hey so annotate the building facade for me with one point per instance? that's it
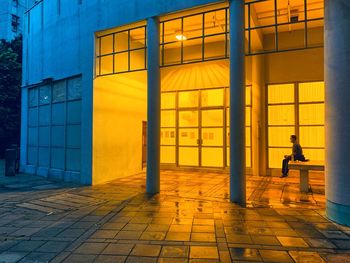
(11, 17)
(110, 87)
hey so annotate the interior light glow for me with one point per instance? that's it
(180, 37)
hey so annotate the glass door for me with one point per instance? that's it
(212, 138)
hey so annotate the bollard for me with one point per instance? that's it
(16, 147)
(10, 162)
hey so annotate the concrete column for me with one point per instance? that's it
(337, 79)
(153, 107)
(237, 103)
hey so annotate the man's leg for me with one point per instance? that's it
(285, 166)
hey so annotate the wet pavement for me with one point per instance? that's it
(191, 220)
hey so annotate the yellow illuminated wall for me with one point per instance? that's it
(119, 109)
(295, 108)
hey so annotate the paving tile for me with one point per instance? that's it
(53, 246)
(90, 248)
(306, 257)
(133, 259)
(320, 243)
(75, 258)
(176, 236)
(153, 235)
(146, 250)
(128, 235)
(203, 229)
(248, 254)
(105, 234)
(204, 252)
(172, 260)
(157, 228)
(135, 227)
(275, 256)
(118, 249)
(175, 251)
(203, 237)
(38, 257)
(180, 228)
(266, 240)
(27, 245)
(239, 239)
(292, 242)
(12, 257)
(110, 259)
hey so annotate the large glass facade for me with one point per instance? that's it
(195, 127)
(54, 125)
(295, 108)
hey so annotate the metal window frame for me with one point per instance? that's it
(128, 50)
(296, 125)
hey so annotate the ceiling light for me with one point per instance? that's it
(180, 37)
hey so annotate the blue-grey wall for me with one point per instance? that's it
(59, 43)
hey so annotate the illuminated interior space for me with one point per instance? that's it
(282, 97)
(120, 104)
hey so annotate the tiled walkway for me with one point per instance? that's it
(191, 220)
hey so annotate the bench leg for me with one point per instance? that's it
(304, 181)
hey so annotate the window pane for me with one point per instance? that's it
(137, 59)
(192, 50)
(248, 157)
(167, 136)
(282, 93)
(59, 91)
(212, 157)
(311, 91)
(74, 88)
(44, 95)
(188, 136)
(212, 137)
(167, 154)
(188, 99)
(121, 41)
(137, 38)
(188, 156)
(171, 30)
(193, 26)
(121, 62)
(311, 114)
(168, 100)
(106, 45)
(172, 53)
(281, 115)
(33, 97)
(106, 65)
(314, 154)
(214, 22)
(212, 118)
(247, 136)
(212, 97)
(312, 136)
(248, 96)
(168, 118)
(276, 156)
(248, 116)
(188, 119)
(279, 136)
(214, 47)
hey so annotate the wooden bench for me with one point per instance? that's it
(304, 168)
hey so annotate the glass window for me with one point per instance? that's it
(45, 94)
(188, 99)
(212, 97)
(282, 93)
(74, 88)
(59, 91)
(33, 97)
(168, 100)
(188, 118)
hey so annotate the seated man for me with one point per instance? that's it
(297, 154)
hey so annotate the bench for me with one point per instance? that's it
(304, 168)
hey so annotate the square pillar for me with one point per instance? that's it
(153, 107)
(237, 103)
